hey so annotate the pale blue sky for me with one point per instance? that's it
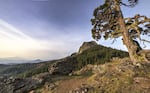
(50, 29)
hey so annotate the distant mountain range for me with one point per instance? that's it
(17, 60)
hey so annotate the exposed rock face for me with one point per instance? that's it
(42, 77)
(86, 45)
(63, 66)
(17, 85)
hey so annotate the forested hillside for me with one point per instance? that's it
(96, 54)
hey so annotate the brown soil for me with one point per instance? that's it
(64, 86)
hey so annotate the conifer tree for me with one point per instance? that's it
(108, 22)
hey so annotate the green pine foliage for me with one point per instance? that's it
(24, 70)
(98, 55)
(33, 71)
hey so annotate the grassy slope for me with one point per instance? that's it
(118, 76)
(95, 55)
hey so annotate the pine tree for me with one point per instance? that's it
(108, 22)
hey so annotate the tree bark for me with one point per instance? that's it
(127, 40)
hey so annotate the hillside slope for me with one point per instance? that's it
(117, 76)
(46, 76)
(89, 53)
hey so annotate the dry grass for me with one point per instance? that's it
(64, 86)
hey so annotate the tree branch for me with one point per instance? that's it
(144, 40)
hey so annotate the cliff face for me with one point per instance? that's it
(86, 45)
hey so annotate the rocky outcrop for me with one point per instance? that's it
(84, 88)
(17, 85)
(20, 85)
(86, 45)
(63, 66)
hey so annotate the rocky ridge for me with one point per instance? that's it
(86, 45)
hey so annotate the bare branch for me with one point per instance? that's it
(144, 40)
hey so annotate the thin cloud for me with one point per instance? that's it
(16, 43)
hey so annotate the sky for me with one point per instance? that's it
(51, 29)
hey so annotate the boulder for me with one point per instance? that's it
(84, 88)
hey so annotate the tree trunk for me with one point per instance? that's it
(127, 40)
